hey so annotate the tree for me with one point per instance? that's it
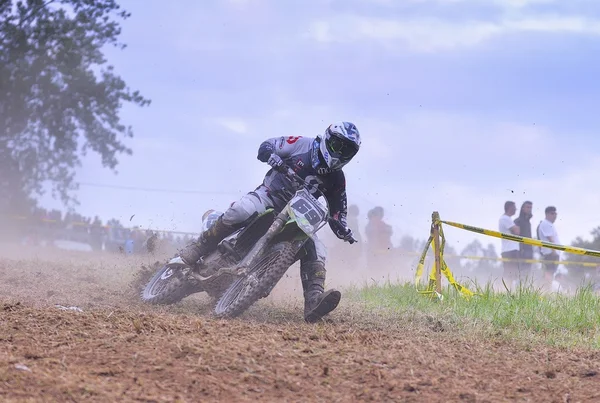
(452, 259)
(12, 196)
(594, 244)
(58, 97)
(484, 262)
(409, 244)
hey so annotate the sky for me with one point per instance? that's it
(461, 104)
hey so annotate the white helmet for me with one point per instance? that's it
(339, 144)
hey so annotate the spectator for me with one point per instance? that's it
(379, 233)
(523, 221)
(510, 249)
(560, 281)
(151, 241)
(547, 232)
(379, 238)
(95, 236)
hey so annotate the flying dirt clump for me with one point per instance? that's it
(143, 276)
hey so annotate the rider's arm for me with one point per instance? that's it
(338, 207)
(284, 147)
(336, 196)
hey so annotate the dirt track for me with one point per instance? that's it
(119, 350)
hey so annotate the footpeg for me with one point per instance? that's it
(226, 248)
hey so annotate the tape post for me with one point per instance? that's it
(444, 269)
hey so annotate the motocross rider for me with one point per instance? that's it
(319, 161)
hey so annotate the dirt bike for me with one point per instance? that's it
(248, 264)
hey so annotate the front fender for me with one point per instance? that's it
(289, 233)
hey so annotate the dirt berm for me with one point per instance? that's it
(117, 350)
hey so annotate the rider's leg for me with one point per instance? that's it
(234, 217)
(317, 301)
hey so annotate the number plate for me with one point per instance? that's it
(308, 212)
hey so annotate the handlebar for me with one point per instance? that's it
(289, 172)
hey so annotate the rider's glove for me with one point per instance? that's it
(341, 231)
(275, 161)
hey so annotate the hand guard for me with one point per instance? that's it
(275, 161)
(341, 231)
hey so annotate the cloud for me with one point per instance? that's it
(436, 146)
(500, 3)
(225, 76)
(572, 192)
(239, 3)
(503, 3)
(466, 167)
(233, 124)
(435, 34)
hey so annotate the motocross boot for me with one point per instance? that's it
(206, 243)
(317, 302)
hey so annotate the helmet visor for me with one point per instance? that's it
(341, 148)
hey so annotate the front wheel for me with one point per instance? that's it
(168, 286)
(260, 280)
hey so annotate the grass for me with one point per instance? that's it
(525, 314)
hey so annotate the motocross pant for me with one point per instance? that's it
(258, 201)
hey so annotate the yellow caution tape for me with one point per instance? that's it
(446, 270)
(527, 241)
(433, 280)
(430, 290)
(563, 262)
(419, 271)
(501, 259)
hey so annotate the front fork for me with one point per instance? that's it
(254, 253)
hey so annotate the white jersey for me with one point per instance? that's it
(302, 155)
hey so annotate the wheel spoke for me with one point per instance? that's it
(244, 285)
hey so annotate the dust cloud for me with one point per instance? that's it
(46, 275)
(50, 276)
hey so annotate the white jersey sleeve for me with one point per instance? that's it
(284, 146)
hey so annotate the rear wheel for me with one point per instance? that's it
(259, 282)
(168, 286)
